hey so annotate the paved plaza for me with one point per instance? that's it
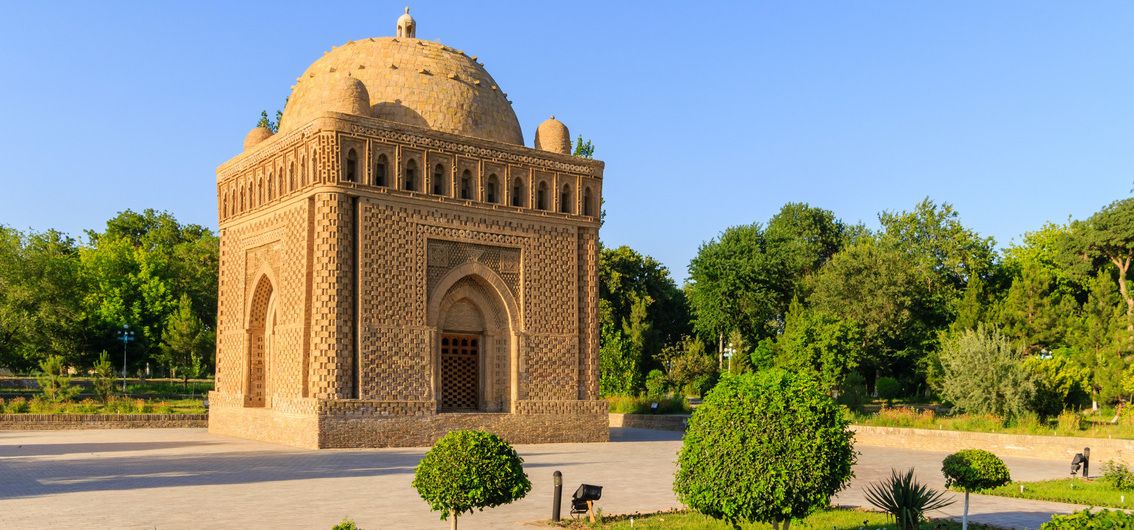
(186, 478)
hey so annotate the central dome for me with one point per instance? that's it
(408, 80)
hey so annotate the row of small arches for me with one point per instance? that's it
(410, 180)
(266, 188)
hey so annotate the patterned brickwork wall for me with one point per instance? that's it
(395, 364)
(552, 362)
(332, 299)
(588, 314)
(445, 256)
(423, 431)
(272, 245)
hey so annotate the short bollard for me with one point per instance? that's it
(557, 497)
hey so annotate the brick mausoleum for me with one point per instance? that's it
(395, 263)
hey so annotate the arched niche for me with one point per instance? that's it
(260, 342)
(474, 363)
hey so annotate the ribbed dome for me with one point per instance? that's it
(409, 81)
(552, 135)
(255, 136)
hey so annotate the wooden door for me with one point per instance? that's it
(460, 372)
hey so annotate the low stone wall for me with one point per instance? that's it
(1055, 448)
(56, 422)
(661, 422)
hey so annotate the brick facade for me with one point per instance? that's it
(339, 283)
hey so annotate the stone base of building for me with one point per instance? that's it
(325, 424)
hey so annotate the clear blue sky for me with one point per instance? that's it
(707, 114)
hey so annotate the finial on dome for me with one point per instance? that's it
(407, 27)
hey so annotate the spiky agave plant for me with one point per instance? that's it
(903, 497)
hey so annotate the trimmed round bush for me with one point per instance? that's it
(767, 447)
(467, 470)
(974, 470)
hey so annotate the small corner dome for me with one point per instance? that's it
(346, 95)
(255, 136)
(552, 135)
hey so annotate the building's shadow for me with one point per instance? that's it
(36, 476)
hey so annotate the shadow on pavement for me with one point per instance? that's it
(37, 476)
(627, 434)
(99, 447)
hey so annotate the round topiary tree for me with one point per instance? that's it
(467, 470)
(767, 447)
(973, 470)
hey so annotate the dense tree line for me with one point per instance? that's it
(923, 303)
(69, 297)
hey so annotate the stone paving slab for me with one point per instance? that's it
(186, 478)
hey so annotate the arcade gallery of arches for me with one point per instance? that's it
(395, 263)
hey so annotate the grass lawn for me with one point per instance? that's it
(1067, 424)
(1088, 492)
(838, 518)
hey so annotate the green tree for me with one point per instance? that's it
(137, 270)
(470, 470)
(735, 285)
(973, 470)
(690, 367)
(981, 373)
(804, 238)
(584, 149)
(268, 124)
(820, 345)
(40, 293)
(1060, 383)
(1095, 341)
(54, 381)
(940, 246)
(768, 447)
(641, 311)
(1108, 236)
(103, 377)
(184, 342)
(876, 288)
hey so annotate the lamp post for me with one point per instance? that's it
(125, 335)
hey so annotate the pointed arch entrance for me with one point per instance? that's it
(474, 364)
(261, 336)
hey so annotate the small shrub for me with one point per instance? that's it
(888, 388)
(140, 406)
(1087, 519)
(768, 446)
(905, 499)
(17, 405)
(1070, 422)
(853, 392)
(1118, 476)
(345, 524)
(38, 405)
(657, 384)
(86, 406)
(905, 417)
(162, 408)
(470, 470)
(974, 470)
(103, 380)
(702, 384)
(644, 405)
